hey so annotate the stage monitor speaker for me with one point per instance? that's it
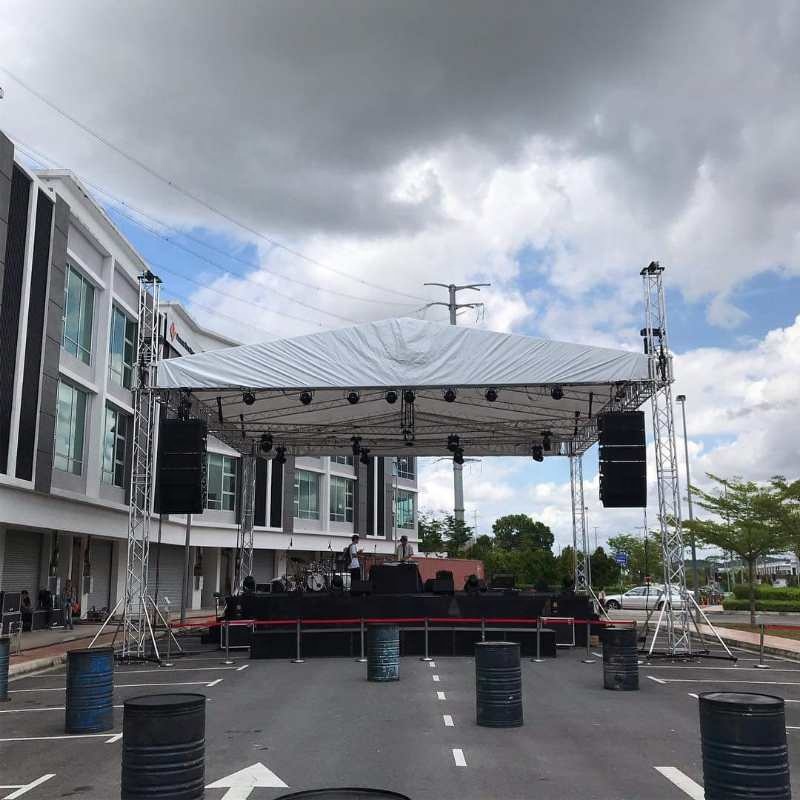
(443, 583)
(360, 587)
(181, 466)
(623, 460)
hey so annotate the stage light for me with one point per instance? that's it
(557, 393)
(537, 454)
(352, 398)
(248, 398)
(356, 443)
(449, 395)
(391, 397)
(458, 456)
(453, 442)
(547, 441)
(266, 442)
(409, 396)
(306, 398)
(491, 394)
(364, 457)
(280, 455)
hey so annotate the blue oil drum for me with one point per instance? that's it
(498, 684)
(743, 738)
(383, 653)
(164, 747)
(90, 690)
(5, 655)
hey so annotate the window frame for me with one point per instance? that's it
(345, 486)
(226, 501)
(69, 459)
(348, 461)
(410, 472)
(109, 477)
(404, 496)
(77, 347)
(308, 477)
(124, 375)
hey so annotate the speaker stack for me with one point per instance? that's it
(181, 466)
(623, 460)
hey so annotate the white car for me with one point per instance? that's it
(643, 598)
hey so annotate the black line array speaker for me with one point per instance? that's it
(623, 460)
(181, 466)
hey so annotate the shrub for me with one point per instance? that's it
(761, 605)
(765, 592)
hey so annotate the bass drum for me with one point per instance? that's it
(315, 582)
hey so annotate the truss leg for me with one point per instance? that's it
(246, 525)
(166, 625)
(105, 623)
(580, 537)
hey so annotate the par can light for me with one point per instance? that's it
(491, 394)
(391, 397)
(352, 398)
(248, 398)
(306, 398)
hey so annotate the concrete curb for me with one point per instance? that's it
(36, 664)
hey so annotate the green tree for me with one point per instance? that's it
(644, 555)
(482, 548)
(456, 535)
(430, 531)
(566, 567)
(747, 527)
(519, 531)
(605, 570)
(782, 507)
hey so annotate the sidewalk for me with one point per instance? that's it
(774, 645)
(48, 648)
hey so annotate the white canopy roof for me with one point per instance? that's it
(409, 354)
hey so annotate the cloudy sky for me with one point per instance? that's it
(297, 165)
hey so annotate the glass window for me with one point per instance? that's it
(70, 422)
(221, 482)
(341, 499)
(78, 314)
(406, 467)
(348, 460)
(115, 442)
(405, 509)
(122, 346)
(306, 494)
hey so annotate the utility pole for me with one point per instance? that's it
(453, 306)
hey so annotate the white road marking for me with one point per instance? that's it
(242, 668)
(214, 683)
(115, 738)
(47, 708)
(23, 788)
(435, 678)
(692, 694)
(597, 655)
(440, 696)
(432, 664)
(174, 669)
(448, 721)
(683, 782)
(714, 680)
(62, 736)
(793, 727)
(716, 669)
(458, 757)
(120, 686)
(657, 680)
(241, 784)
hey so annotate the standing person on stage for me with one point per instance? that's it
(404, 550)
(66, 603)
(355, 564)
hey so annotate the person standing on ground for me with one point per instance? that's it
(66, 603)
(355, 564)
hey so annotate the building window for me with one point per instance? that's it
(306, 494)
(70, 422)
(341, 499)
(122, 348)
(115, 442)
(347, 460)
(405, 509)
(78, 312)
(221, 483)
(407, 467)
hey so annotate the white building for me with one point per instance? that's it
(68, 300)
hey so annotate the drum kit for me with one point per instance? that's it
(308, 576)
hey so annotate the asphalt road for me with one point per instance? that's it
(321, 724)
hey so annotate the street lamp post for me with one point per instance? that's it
(681, 398)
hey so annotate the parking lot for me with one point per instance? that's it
(321, 724)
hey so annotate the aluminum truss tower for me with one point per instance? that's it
(675, 613)
(580, 536)
(245, 537)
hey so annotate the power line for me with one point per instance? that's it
(178, 188)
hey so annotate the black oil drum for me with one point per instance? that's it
(5, 655)
(498, 684)
(90, 691)
(744, 746)
(383, 653)
(620, 659)
(163, 747)
(344, 794)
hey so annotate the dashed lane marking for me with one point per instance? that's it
(448, 721)
(242, 668)
(51, 738)
(458, 757)
(683, 782)
(122, 686)
(24, 788)
(435, 678)
(214, 683)
(115, 738)
(657, 680)
(440, 696)
(47, 708)
(432, 664)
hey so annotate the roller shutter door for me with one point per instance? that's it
(263, 565)
(170, 576)
(21, 562)
(100, 557)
